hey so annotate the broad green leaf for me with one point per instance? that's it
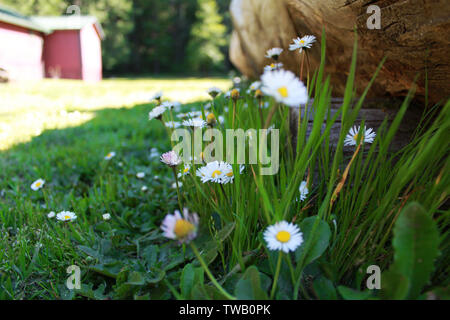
(394, 285)
(187, 280)
(416, 241)
(324, 289)
(352, 294)
(318, 241)
(249, 286)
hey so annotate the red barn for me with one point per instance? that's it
(21, 46)
(66, 47)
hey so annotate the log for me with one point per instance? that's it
(413, 36)
(373, 118)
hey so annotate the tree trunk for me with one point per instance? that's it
(413, 36)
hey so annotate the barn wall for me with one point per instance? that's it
(62, 54)
(91, 54)
(21, 52)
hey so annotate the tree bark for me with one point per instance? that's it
(413, 36)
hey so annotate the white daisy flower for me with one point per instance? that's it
(195, 123)
(285, 87)
(171, 159)
(144, 188)
(51, 214)
(352, 136)
(214, 91)
(283, 236)
(120, 164)
(140, 175)
(157, 96)
(255, 86)
(180, 227)
(273, 66)
(184, 171)
(156, 112)
(167, 105)
(303, 189)
(274, 53)
(172, 124)
(66, 216)
(174, 185)
(106, 216)
(304, 42)
(218, 172)
(154, 153)
(110, 155)
(39, 183)
(221, 119)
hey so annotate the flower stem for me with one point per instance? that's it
(270, 116)
(210, 276)
(178, 188)
(277, 273)
(301, 65)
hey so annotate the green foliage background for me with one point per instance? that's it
(152, 36)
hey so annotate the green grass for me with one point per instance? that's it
(35, 250)
(127, 256)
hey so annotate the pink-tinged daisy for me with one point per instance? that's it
(171, 159)
(180, 227)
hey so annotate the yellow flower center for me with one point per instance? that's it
(186, 170)
(283, 236)
(356, 137)
(38, 184)
(283, 92)
(302, 41)
(272, 65)
(66, 217)
(211, 118)
(183, 228)
(109, 155)
(229, 174)
(216, 173)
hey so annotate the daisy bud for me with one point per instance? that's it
(211, 119)
(235, 94)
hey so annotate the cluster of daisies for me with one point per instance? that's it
(65, 216)
(281, 236)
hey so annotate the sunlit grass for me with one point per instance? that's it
(29, 108)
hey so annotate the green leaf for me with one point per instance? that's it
(416, 241)
(249, 286)
(352, 294)
(394, 285)
(324, 289)
(187, 280)
(318, 242)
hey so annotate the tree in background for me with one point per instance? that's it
(204, 51)
(151, 36)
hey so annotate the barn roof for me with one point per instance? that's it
(10, 16)
(72, 22)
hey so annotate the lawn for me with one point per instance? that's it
(313, 229)
(61, 131)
